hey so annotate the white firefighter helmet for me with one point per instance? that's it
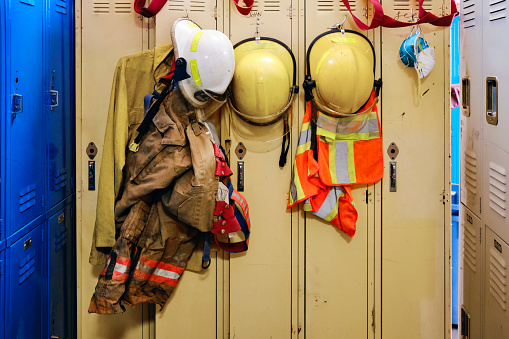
(209, 57)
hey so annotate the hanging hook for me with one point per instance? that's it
(187, 14)
(257, 32)
(339, 27)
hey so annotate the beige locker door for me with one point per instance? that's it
(415, 219)
(339, 274)
(260, 280)
(471, 269)
(472, 115)
(106, 30)
(496, 317)
(194, 301)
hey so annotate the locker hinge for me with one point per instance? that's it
(1, 226)
(42, 201)
(42, 235)
(480, 205)
(291, 11)
(445, 197)
(72, 183)
(215, 12)
(1, 268)
(480, 236)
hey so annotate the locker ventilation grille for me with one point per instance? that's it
(402, 5)
(101, 7)
(353, 6)
(497, 9)
(176, 5)
(26, 267)
(471, 171)
(197, 6)
(427, 5)
(498, 278)
(498, 189)
(255, 6)
(326, 5)
(61, 6)
(470, 246)
(60, 238)
(60, 179)
(468, 13)
(271, 6)
(122, 7)
(27, 198)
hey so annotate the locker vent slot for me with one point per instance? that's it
(26, 267)
(122, 7)
(101, 7)
(326, 6)
(498, 278)
(61, 6)
(427, 5)
(468, 13)
(402, 5)
(28, 2)
(471, 171)
(353, 6)
(470, 246)
(271, 6)
(497, 9)
(27, 198)
(60, 179)
(176, 5)
(197, 6)
(60, 238)
(498, 189)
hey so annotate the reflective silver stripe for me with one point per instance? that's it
(305, 136)
(121, 268)
(242, 202)
(341, 160)
(330, 202)
(157, 271)
(368, 123)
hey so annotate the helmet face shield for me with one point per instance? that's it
(342, 66)
(210, 61)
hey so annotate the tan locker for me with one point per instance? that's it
(471, 271)
(339, 275)
(472, 117)
(194, 301)
(260, 281)
(496, 317)
(414, 236)
(101, 42)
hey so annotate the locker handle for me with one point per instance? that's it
(492, 100)
(53, 98)
(17, 103)
(392, 170)
(465, 96)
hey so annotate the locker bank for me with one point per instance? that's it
(342, 223)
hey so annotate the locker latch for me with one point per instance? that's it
(17, 103)
(392, 167)
(492, 100)
(53, 98)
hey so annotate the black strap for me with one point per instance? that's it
(285, 146)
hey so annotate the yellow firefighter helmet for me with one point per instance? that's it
(341, 63)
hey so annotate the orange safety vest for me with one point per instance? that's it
(348, 151)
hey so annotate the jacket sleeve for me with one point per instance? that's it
(112, 163)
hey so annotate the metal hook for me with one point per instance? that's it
(257, 32)
(339, 27)
(187, 14)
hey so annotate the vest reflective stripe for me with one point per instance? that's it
(350, 149)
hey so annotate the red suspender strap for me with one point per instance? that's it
(380, 19)
(154, 7)
(244, 10)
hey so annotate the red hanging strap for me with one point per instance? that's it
(148, 12)
(244, 10)
(380, 19)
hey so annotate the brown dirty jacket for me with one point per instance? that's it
(154, 244)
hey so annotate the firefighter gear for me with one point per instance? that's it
(153, 247)
(340, 144)
(210, 61)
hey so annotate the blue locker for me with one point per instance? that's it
(24, 113)
(62, 282)
(2, 294)
(3, 92)
(25, 283)
(59, 81)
